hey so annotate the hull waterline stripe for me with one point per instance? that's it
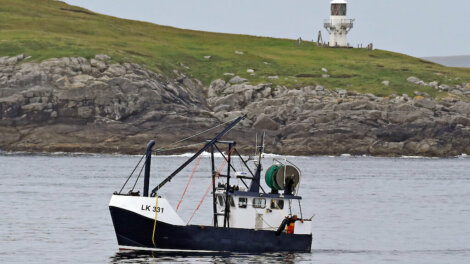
(166, 249)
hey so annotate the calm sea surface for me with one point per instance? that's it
(54, 209)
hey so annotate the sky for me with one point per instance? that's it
(415, 27)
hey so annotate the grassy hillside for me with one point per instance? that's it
(46, 28)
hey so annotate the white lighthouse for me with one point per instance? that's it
(338, 25)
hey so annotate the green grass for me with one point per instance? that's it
(45, 29)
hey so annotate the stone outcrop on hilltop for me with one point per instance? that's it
(95, 105)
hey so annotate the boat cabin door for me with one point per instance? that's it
(259, 221)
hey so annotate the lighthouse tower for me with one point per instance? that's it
(338, 25)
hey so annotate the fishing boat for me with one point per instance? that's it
(247, 218)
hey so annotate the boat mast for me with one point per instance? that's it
(227, 188)
(210, 143)
(148, 159)
(214, 198)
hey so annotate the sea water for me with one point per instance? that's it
(54, 209)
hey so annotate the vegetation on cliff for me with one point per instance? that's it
(46, 29)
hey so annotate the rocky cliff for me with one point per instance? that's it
(95, 105)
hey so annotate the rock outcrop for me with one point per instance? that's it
(76, 104)
(95, 105)
(458, 89)
(315, 120)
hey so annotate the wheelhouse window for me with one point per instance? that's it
(277, 204)
(221, 199)
(338, 9)
(242, 202)
(259, 203)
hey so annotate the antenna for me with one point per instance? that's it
(255, 183)
(260, 148)
(256, 144)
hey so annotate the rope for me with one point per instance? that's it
(155, 223)
(210, 187)
(190, 145)
(128, 178)
(200, 203)
(187, 185)
(138, 177)
(195, 135)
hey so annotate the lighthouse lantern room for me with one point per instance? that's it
(338, 25)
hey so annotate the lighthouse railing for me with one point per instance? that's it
(340, 23)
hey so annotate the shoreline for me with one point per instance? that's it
(207, 154)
